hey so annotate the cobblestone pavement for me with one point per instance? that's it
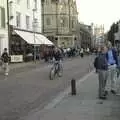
(29, 89)
(84, 106)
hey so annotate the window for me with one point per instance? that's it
(73, 24)
(35, 4)
(27, 22)
(35, 24)
(18, 1)
(54, 0)
(18, 19)
(35, 20)
(2, 17)
(63, 22)
(11, 10)
(48, 22)
(28, 4)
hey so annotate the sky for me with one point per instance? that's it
(99, 12)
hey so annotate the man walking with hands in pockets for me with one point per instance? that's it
(101, 66)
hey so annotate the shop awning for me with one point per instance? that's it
(29, 38)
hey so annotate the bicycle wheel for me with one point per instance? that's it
(60, 71)
(52, 74)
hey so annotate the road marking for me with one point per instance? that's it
(58, 99)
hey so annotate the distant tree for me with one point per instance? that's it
(110, 34)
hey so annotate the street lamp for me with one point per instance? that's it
(9, 17)
(34, 10)
(8, 22)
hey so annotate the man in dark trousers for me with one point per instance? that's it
(101, 66)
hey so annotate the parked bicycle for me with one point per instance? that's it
(56, 70)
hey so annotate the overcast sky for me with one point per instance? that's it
(99, 11)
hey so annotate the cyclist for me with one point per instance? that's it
(57, 54)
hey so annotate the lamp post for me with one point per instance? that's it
(8, 23)
(34, 10)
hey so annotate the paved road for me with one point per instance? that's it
(28, 89)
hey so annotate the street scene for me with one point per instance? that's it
(59, 60)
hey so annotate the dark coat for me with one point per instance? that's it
(100, 62)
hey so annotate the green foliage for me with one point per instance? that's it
(110, 34)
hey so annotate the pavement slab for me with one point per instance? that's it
(28, 89)
(84, 106)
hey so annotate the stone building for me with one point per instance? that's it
(86, 35)
(25, 29)
(60, 18)
(98, 35)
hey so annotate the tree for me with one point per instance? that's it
(111, 32)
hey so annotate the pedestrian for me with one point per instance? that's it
(100, 63)
(112, 61)
(82, 52)
(118, 67)
(5, 60)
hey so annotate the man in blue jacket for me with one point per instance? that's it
(112, 61)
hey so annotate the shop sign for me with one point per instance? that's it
(16, 58)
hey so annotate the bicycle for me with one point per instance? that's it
(56, 70)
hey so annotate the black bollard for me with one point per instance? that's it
(73, 87)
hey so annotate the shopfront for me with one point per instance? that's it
(24, 44)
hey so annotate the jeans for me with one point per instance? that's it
(112, 78)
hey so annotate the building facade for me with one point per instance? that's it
(23, 14)
(3, 26)
(98, 35)
(24, 23)
(59, 21)
(86, 33)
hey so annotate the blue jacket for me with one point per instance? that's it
(114, 56)
(118, 62)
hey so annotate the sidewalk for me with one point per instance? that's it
(25, 64)
(14, 66)
(84, 106)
